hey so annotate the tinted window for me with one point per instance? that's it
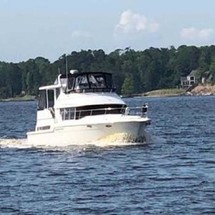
(42, 100)
(50, 98)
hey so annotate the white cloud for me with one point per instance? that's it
(131, 23)
(194, 34)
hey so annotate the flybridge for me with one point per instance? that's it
(89, 82)
(83, 82)
(75, 82)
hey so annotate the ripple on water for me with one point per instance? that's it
(172, 174)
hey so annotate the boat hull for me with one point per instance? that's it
(104, 133)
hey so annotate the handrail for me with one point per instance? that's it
(74, 113)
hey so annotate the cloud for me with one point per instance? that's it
(194, 34)
(131, 23)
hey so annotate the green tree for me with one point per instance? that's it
(128, 85)
(212, 69)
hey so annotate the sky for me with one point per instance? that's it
(51, 28)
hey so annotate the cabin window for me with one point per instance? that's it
(97, 81)
(99, 110)
(80, 112)
(71, 83)
(63, 82)
(88, 82)
(46, 99)
(67, 113)
(43, 128)
(81, 82)
(42, 100)
(50, 98)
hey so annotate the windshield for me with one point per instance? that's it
(91, 82)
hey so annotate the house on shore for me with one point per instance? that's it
(189, 81)
(194, 78)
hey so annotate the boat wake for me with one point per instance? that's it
(14, 143)
(109, 141)
(122, 140)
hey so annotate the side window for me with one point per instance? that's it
(67, 113)
(71, 83)
(42, 100)
(50, 98)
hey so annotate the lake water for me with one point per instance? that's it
(173, 173)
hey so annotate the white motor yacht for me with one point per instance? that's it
(83, 108)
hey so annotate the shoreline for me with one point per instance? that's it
(165, 93)
(19, 99)
(200, 90)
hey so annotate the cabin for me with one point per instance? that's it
(75, 82)
(68, 98)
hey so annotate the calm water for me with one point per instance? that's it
(173, 173)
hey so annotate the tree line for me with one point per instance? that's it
(133, 71)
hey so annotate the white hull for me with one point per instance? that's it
(107, 130)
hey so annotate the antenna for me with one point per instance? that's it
(66, 67)
(67, 81)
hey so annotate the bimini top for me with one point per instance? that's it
(87, 82)
(83, 82)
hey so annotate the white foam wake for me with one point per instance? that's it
(108, 141)
(120, 139)
(14, 143)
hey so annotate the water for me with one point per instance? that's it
(173, 173)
